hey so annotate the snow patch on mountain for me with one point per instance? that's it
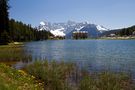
(78, 29)
(58, 32)
(42, 23)
(101, 28)
(44, 26)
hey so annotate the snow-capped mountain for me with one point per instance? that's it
(44, 26)
(66, 29)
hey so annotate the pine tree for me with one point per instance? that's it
(4, 22)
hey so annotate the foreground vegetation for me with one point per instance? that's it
(67, 76)
(11, 79)
(61, 76)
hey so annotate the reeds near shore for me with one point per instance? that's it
(9, 53)
(66, 76)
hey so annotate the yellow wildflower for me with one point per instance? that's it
(22, 72)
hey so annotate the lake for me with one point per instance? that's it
(94, 55)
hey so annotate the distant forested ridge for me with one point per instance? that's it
(126, 31)
(130, 31)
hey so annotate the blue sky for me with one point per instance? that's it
(109, 13)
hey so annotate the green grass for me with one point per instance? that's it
(66, 76)
(9, 53)
(61, 76)
(107, 81)
(54, 75)
(11, 79)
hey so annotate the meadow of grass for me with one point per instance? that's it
(66, 76)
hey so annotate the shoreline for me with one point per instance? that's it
(118, 38)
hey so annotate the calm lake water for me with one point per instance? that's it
(94, 55)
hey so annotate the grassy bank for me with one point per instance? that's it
(12, 53)
(11, 79)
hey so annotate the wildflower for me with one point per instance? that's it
(22, 72)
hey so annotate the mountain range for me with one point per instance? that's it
(67, 28)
